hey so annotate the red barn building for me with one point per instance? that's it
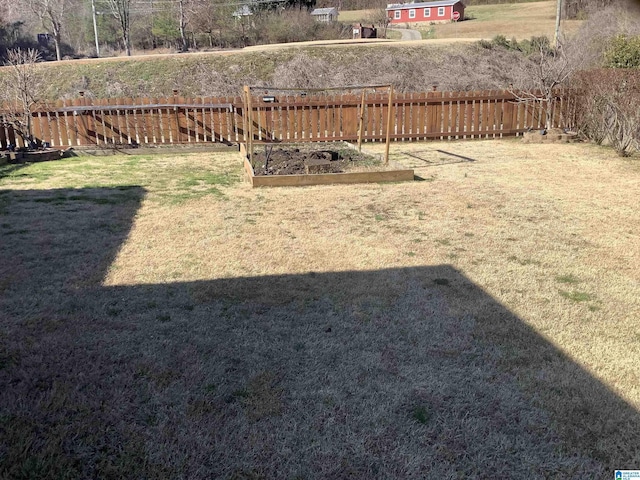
(438, 11)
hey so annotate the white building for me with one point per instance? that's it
(325, 14)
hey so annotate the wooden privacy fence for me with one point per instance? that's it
(178, 120)
(127, 121)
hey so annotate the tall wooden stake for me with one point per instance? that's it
(389, 119)
(245, 114)
(361, 127)
(249, 120)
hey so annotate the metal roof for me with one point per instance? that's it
(324, 11)
(243, 11)
(438, 3)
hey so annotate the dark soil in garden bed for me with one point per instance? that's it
(302, 160)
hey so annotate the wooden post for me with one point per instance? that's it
(80, 120)
(249, 120)
(389, 118)
(178, 139)
(361, 126)
(244, 113)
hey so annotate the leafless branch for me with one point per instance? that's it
(21, 90)
(546, 70)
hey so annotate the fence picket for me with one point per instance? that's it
(321, 117)
(36, 127)
(4, 142)
(468, 116)
(63, 125)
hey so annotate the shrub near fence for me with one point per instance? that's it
(607, 108)
(178, 120)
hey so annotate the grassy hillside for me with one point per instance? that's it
(410, 68)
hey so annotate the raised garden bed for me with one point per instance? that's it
(279, 165)
(32, 156)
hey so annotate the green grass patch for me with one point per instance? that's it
(421, 415)
(206, 178)
(25, 172)
(5, 200)
(168, 178)
(576, 296)
(524, 261)
(570, 279)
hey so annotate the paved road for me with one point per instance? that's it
(408, 34)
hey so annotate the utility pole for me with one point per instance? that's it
(558, 13)
(95, 27)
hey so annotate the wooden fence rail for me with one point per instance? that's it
(177, 120)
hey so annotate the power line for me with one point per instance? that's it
(249, 3)
(151, 4)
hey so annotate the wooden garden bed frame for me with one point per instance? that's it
(398, 174)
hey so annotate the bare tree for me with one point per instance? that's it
(21, 90)
(211, 17)
(580, 8)
(546, 70)
(121, 10)
(380, 17)
(52, 16)
(607, 108)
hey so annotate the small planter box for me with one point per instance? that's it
(35, 156)
(397, 174)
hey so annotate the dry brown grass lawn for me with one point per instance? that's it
(513, 20)
(160, 319)
(519, 20)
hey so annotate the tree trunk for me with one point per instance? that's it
(183, 37)
(127, 44)
(57, 38)
(56, 42)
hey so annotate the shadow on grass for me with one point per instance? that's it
(456, 156)
(8, 169)
(452, 158)
(395, 373)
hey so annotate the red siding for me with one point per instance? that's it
(420, 17)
